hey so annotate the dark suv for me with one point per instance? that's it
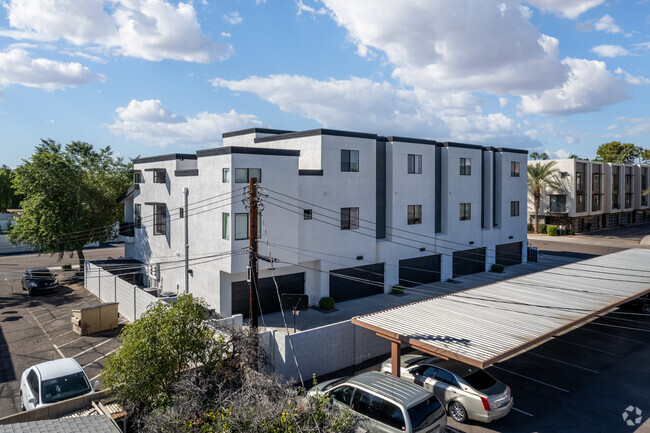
(39, 280)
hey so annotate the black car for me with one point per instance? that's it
(641, 304)
(39, 280)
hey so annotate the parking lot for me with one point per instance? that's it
(37, 329)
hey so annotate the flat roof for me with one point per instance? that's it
(489, 324)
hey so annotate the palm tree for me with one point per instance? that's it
(540, 178)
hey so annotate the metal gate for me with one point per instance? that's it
(468, 262)
(419, 270)
(612, 220)
(357, 282)
(593, 223)
(508, 254)
(625, 219)
(267, 294)
(580, 225)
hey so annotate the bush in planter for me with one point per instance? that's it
(66, 266)
(551, 230)
(541, 228)
(397, 289)
(497, 268)
(529, 227)
(326, 303)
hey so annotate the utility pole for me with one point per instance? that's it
(252, 280)
(187, 242)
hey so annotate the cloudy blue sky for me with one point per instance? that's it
(153, 76)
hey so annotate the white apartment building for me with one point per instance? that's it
(346, 214)
(595, 195)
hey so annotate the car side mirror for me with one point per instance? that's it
(32, 400)
(95, 385)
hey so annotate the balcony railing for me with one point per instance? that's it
(127, 229)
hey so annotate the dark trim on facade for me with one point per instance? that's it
(413, 140)
(509, 150)
(494, 190)
(130, 190)
(483, 171)
(309, 172)
(315, 132)
(462, 145)
(188, 172)
(253, 131)
(438, 189)
(152, 203)
(380, 188)
(169, 157)
(247, 151)
(155, 169)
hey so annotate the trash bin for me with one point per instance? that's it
(96, 318)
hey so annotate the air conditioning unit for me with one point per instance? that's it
(153, 273)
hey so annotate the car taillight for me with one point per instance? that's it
(486, 403)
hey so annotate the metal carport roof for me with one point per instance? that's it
(492, 323)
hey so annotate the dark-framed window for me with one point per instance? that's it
(225, 225)
(137, 215)
(465, 211)
(595, 202)
(160, 176)
(244, 175)
(580, 203)
(160, 219)
(514, 168)
(306, 214)
(514, 208)
(465, 167)
(557, 203)
(181, 212)
(628, 200)
(414, 164)
(137, 176)
(349, 160)
(225, 175)
(579, 185)
(414, 214)
(349, 218)
(242, 226)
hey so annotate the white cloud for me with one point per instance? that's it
(566, 8)
(610, 51)
(16, 67)
(639, 126)
(612, 127)
(561, 153)
(631, 79)
(226, 34)
(151, 122)
(86, 56)
(503, 102)
(302, 7)
(608, 24)
(589, 88)
(233, 18)
(643, 45)
(148, 29)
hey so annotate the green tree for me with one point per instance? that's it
(158, 347)
(574, 156)
(622, 153)
(69, 197)
(645, 156)
(8, 197)
(540, 178)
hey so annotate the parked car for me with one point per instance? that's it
(466, 392)
(386, 404)
(49, 382)
(39, 280)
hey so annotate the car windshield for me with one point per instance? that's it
(42, 275)
(423, 414)
(480, 380)
(65, 387)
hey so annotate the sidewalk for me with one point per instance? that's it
(590, 240)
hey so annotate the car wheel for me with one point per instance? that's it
(457, 412)
(22, 405)
(646, 308)
(30, 291)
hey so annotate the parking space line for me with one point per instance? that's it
(530, 378)
(521, 411)
(65, 333)
(58, 350)
(610, 335)
(564, 362)
(587, 347)
(100, 358)
(621, 326)
(46, 334)
(96, 376)
(70, 342)
(93, 347)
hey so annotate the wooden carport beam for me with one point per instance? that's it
(395, 351)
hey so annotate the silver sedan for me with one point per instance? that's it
(466, 392)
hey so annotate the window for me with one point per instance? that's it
(580, 205)
(391, 415)
(415, 214)
(243, 175)
(225, 175)
(349, 160)
(558, 203)
(595, 202)
(137, 215)
(225, 225)
(465, 211)
(137, 177)
(349, 218)
(415, 164)
(628, 200)
(367, 404)
(159, 176)
(159, 219)
(446, 377)
(465, 166)
(306, 214)
(514, 168)
(181, 212)
(514, 208)
(242, 226)
(343, 394)
(32, 381)
(579, 185)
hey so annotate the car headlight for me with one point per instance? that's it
(33, 284)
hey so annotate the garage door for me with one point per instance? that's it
(469, 262)
(357, 282)
(508, 254)
(420, 270)
(293, 283)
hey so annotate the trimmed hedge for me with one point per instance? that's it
(551, 230)
(529, 227)
(326, 303)
(397, 289)
(497, 268)
(66, 266)
(541, 228)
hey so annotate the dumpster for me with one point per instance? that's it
(96, 318)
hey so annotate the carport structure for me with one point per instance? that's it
(492, 323)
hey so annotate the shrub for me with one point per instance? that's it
(541, 228)
(551, 230)
(397, 289)
(66, 266)
(570, 232)
(326, 303)
(497, 268)
(529, 227)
